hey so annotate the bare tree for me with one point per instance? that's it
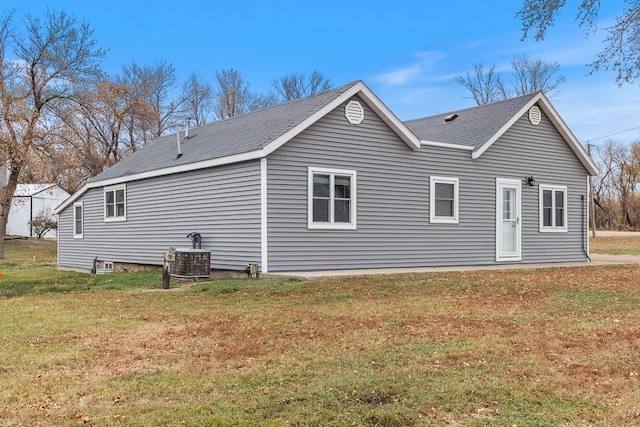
(50, 58)
(622, 45)
(230, 100)
(528, 77)
(485, 87)
(295, 85)
(154, 86)
(617, 189)
(234, 98)
(535, 76)
(198, 99)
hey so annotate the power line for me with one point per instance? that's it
(612, 134)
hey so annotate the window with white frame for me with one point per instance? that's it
(332, 199)
(78, 220)
(443, 200)
(115, 203)
(553, 208)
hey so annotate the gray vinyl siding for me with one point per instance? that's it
(222, 204)
(393, 228)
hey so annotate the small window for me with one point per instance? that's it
(444, 200)
(332, 199)
(115, 205)
(553, 208)
(78, 225)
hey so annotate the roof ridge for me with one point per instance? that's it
(278, 105)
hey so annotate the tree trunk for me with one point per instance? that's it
(6, 196)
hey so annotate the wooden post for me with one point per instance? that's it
(166, 275)
(592, 207)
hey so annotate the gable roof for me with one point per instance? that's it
(472, 127)
(251, 136)
(476, 129)
(30, 190)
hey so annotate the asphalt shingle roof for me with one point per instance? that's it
(237, 135)
(250, 132)
(473, 126)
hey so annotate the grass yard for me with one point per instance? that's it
(623, 244)
(548, 347)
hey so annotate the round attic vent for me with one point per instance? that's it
(354, 112)
(534, 115)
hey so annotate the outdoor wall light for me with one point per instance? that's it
(531, 181)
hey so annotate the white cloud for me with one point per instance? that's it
(413, 72)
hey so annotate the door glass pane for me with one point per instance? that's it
(506, 204)
(509, 223)
(508, 236)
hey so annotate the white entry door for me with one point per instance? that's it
(508, 223)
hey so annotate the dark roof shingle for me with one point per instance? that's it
(237, 135)
(472, 127)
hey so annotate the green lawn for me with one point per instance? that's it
(549, 347)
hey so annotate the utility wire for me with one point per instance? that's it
(612, 134)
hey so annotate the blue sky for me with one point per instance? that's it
(407, 52)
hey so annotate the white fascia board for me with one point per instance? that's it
(388, 117)
(372, 101)
(505, 127)
(237, 158)
(557, 121)
(571, 139)
(358, 88)
(446, 145)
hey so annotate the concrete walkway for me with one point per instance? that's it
(596, 259)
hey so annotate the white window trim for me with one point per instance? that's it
(104, 200)
(554, 188)
(433, 219)
(331, 225)
(81, 234)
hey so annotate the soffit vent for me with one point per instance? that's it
(534, 115)
(354, 112)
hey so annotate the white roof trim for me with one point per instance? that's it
(372, 101)
(447, 145)
(557, 121)
(251, 155)
(358, 88)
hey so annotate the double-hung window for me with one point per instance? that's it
(332, 199)
(115, 203)
(553, 208)
(78, 220)
(443, 200)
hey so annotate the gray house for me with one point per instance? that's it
(337, 181)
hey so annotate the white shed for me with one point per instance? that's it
(29, 200)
